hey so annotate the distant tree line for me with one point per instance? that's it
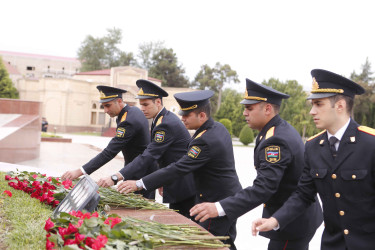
(162, 63)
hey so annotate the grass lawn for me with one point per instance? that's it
(22, 219)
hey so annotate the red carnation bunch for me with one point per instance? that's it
(48, 190)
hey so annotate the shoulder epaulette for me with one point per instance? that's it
(159, 121)
(123, 118)
(314, 136)
(270, 132)
(200, 134)
(367, 130)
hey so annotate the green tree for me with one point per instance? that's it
(164, 66)
(364, 105)
(103, 52)
(232, 109)
(7, 90)
(227, 124)
(246, 135)
(294, 110)
(146, 51)
(214, 79)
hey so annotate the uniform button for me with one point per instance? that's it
(354, 176)
(346, 231)
(334, 176)
(342, 213)
(337, 195)
(200, 195)
(264, 205)
(317, 174)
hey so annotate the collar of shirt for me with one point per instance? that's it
(339, 133)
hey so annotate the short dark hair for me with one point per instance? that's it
(205, 109)
(276, 107)
(161, 100)
(349, 101)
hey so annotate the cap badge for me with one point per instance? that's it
(103, 96)
(247, 97)
(140, 92)
(315, 85)
(316, 89)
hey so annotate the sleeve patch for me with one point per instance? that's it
(194, 152)
(273, 154)
(120, 132)
(159, 136)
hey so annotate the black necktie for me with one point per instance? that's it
(332, 141)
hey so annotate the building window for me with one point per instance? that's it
(101, 106)
(94, 106)
(93, 118)
(30, 68)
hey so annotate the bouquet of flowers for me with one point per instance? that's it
(93, 231)
(49, 190)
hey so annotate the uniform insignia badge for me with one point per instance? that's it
(272, 154)
(123, 118)
(159, 121)
(120, 132)
(159, 136)
(200, 134)
(270, 132)
(194, 152)
(352, 139)
(321, 142)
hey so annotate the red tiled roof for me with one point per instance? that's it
(11, 70)
(103, 72)
(10, 53)
(154, 79)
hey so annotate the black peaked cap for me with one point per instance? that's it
(256, 92)
(189, 101)
(149, 90)
(108, 94)
(326, 84)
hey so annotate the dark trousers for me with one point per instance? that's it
(299, 244)
(183, 207)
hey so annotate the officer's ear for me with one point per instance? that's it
(340, 105)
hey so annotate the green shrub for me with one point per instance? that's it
(228, 124)
(246, 135)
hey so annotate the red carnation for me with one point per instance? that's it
(100, 242)
(7, 192)
(49, 225)
(8, 178)
(49, 244)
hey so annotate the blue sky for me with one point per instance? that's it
(259, 39)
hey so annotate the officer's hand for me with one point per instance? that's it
(127, 187)
(160, 191)
(72, 175)
(105, 182)
(204, 211)
(263, 225)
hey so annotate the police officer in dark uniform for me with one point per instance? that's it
(209, 157)
(339, 165)
(132, 135)
(278, 159)
(169, 141)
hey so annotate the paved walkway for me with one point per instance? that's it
(56, 158)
